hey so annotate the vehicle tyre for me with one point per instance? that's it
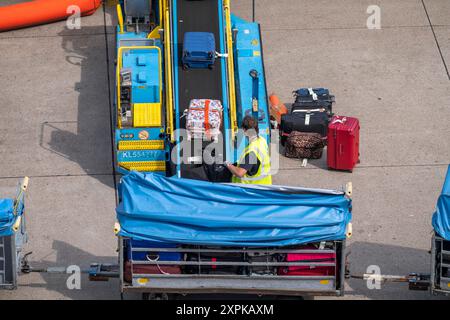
(155, 296)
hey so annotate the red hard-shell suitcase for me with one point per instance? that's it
(309, 270)
(343, 143)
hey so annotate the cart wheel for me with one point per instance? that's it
(293, 298)
(155, 296)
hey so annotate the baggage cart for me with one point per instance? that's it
(440, 266)
(243, 282)
(13, 237)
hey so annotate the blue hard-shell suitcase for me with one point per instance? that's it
(199, 50)
(151, 255)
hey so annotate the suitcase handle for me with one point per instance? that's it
(337, 120)
(149, 258)
(157, 265)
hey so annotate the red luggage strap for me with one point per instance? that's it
(207, 102)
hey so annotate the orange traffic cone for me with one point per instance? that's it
(276, 108)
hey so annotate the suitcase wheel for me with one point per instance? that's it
(185, 66)
(211, 67)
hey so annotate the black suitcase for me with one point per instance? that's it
(262, 257)
(217, 172)
(310, 106)
(304, 122)
(212, 268)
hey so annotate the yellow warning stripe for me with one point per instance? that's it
(141, 145)
(146, 166)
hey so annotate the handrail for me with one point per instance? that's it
(230, 64)
(120, 17)
(119, 67)
(168, 66)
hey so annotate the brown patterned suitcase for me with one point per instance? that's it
(304, 145)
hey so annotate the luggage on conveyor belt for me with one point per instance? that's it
(194, 172)
(309, 258)
(199, 50)
(309, 98)
(304, 145)
(212, 257)
(217, 172)
(204, 119)
(343, 143)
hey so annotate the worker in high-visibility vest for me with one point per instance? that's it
(253, 166)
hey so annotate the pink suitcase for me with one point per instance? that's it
(309, 270)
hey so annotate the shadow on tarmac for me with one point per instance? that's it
(86, 140)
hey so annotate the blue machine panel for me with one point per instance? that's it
(141, 155)
(248, 58)
(144, 65)
(130, 134)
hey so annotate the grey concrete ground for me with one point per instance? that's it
(55, 128)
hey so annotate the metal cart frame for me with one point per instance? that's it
(234, 284)
(11, 246)
(440, 266)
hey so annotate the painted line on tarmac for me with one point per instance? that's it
(436, 40)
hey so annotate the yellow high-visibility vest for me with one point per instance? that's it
(261, 150)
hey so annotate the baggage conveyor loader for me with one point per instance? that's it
(153, 92)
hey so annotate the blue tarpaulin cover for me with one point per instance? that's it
(441, 218)
(7, 217)
(183, 211)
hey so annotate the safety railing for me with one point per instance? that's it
(440, 273)
(317, 269)
(168, 73)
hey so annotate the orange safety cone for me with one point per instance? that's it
(276, 108)
(43, 11)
